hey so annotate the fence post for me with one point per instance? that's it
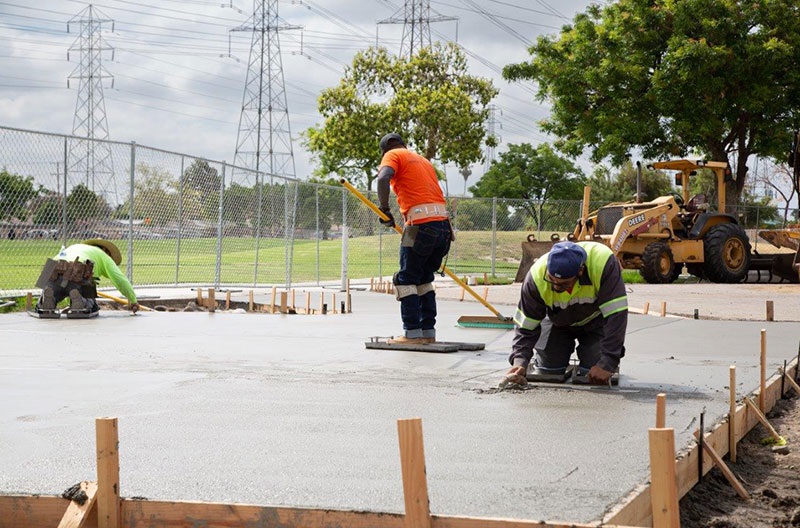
(131, 201)
(64, 198)
(180, 222)
(260, 187)
(316, 204)
(219, 227)
(344, 240)
(494, 234)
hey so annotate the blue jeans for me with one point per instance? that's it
(422, 250)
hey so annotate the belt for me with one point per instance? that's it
(426, 210)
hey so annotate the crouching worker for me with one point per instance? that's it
(573, 293)
(75, 272)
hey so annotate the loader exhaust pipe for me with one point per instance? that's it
(638, 182)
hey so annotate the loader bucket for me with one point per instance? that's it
(784, 265)
(532, 249)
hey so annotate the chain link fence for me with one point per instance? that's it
(184, 220)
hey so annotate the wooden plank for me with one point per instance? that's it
(729, 476)
(77, 515)
(412, 464)
(108, 514)
(44, 511)
(763, 419)
(663, 487)
(791, 381)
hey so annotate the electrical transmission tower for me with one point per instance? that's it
(415, 15)
(490, 130)
(87, 157)
(264, 122)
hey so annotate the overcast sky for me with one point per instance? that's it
(177, 87)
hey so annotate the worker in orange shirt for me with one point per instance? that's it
(427, 234)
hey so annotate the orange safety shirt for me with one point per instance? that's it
(414, 181)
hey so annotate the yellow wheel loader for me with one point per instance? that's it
(661, 236)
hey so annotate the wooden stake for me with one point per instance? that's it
(76, 514)
(661, 411)
(762, 404)
(108, 509)
(792, 382)
(663, 486)
(199, 296)
(663, 308)
(308, 303)
(763, 419)
(729, 476)
(412, 464)
(292, 305)
(250, 301)
(462, 294)
(321, 301)
(371, 283)
(29, 302)
(228, 300)
(770, 311)
(485, 279)
(646, 308)
(485, 292)
(212, 301)
(283, 307)
(732, 416)
(272, 301)
(333, 302)
(348, 306)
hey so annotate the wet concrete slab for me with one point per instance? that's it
(293, 410)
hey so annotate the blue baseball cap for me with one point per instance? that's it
(565, 260)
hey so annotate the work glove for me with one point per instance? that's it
(387, 212)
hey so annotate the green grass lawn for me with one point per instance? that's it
(160, 262)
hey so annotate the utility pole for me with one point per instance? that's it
(88, 158)
(415, 15)
(264, 130)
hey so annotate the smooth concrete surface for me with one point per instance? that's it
(292, 409)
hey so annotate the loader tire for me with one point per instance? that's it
(658, 264)
(727, 254)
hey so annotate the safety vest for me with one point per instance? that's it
(597, 256)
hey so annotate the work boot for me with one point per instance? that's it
(77, 303)
(47, 302)
(403, 340)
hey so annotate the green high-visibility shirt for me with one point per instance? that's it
(104, 266)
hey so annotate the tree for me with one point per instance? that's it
(84, 205)
(621, 187)
(15, 193)
(667, 77)
(200, 184)
(531, 174)
(430, 99)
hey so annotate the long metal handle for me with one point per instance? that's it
(449, 273)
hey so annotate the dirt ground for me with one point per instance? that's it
(770, 475)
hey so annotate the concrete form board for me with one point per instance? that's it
(293, 410)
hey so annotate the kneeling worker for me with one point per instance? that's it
(574, 292)
(74, 273)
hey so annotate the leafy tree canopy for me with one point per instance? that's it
(668, 77)
(430, 99)
(621, 187)
(15, 193)
(531, 174)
